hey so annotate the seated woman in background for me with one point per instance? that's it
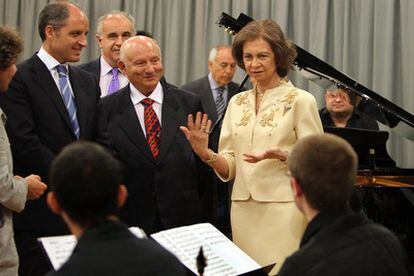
(342, 110)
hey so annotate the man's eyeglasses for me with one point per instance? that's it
(338, 95)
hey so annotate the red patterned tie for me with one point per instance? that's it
(152, 126)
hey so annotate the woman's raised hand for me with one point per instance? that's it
(197, 132)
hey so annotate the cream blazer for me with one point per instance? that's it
(286, 114)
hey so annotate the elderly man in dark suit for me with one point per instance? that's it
(113, 29)
(49, 104)
(163, 175)
(215, 91)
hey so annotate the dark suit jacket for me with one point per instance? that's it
(93, 67)
(216, 193)
(38, 127)
(341, 242)
(111, 249)
(169, 187)
(202, 88)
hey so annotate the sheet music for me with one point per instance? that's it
(223, 256)
(59, 248)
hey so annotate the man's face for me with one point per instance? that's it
(222, 68)
(141, 63)
(338, 101)
(6, 76)
(65, 44)
(115, 30)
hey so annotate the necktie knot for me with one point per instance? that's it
(147, 102)
(221, 89)
(115, 72)
(61, 69)
(114, 84)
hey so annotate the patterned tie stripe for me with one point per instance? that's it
(152, 126)
(220, 104)
(114, 84)
(68, 98)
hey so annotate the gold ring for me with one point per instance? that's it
(202, 127)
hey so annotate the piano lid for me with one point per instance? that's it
(323, 74)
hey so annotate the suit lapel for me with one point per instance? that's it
(170, 122)
(207, 100)
(96, 68)
(45, 81)
(129, 123)
(232, 89)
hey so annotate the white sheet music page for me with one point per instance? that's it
(223, 256)
(59, 248)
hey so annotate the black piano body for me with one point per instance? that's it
(382, 190)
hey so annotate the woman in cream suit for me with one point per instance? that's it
(259, 129)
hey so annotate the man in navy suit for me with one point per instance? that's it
(163, 175)
(113, 29)
(215, 91)
(49, 104)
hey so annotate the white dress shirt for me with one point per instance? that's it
(214, 85)
(51, 64)
(106, 77)
(136, 97)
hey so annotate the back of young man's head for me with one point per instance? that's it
(85, 180)
(325, 168)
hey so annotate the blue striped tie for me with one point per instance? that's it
(220, 104)
(68, 98)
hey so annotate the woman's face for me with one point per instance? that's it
(259, 60)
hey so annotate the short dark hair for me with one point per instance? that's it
(54, 14)
(325, 167)
(283, 49)
(85, 178)
(11, 45)
(144, 33)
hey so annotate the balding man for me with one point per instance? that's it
(216, 89)
(49, 104)
(163, 175)
(113, 29)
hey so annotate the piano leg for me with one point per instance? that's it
(393, 208)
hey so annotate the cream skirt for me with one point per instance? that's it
(267, 231)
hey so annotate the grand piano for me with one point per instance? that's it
(384, 191)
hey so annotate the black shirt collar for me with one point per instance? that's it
(323, 220)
